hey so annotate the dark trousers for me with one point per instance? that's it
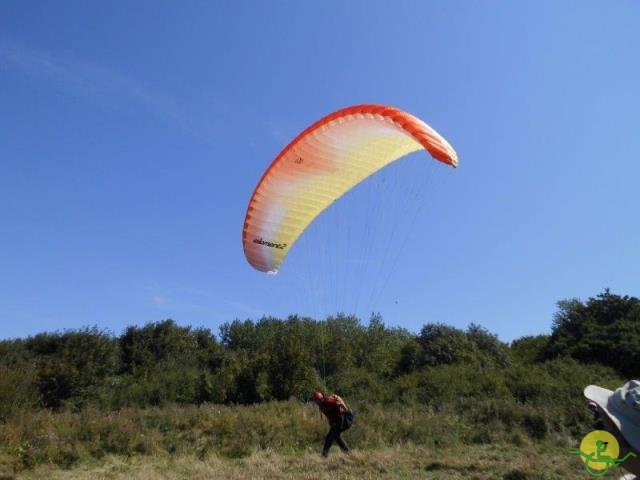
(334, 436)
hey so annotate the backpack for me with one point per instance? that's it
(347, 420)
(345, 411)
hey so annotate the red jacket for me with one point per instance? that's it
(330, 408)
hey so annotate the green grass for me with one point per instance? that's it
(478, 462)
(283, 440)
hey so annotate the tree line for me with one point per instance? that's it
(247, 362)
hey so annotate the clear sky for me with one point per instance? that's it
(132, 135)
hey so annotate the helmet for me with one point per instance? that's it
(318, 396)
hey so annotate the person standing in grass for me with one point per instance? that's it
(340, 418)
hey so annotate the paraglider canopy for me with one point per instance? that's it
(320, 165)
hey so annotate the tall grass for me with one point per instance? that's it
(32, 438)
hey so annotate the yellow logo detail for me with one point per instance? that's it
(599, 451)
(599, 445)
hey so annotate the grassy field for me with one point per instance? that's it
(282, 440)
(482, 462)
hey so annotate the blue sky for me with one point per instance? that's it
(132, 135)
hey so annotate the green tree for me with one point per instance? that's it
(487, 346)
(143, 348)
(72, 364)
(442, 345)
(604, 329)
(529, 349)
